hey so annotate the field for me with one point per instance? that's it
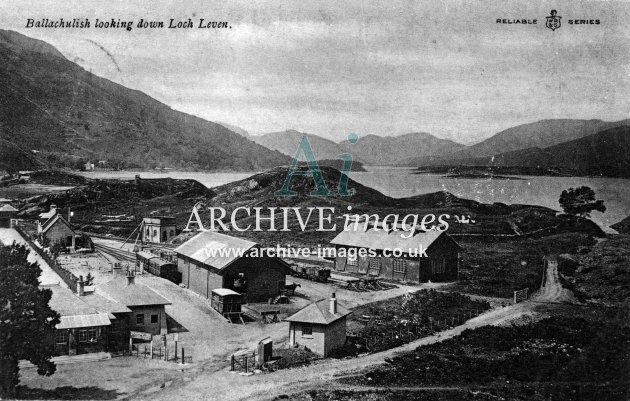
(499, 267)
(578, 354)
(386, 324)
(599, 273)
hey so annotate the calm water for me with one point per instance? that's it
(208, 179)
(399, 182)
(543, 191)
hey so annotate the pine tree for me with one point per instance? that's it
(26, 321)
(580, 201)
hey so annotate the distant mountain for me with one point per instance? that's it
(605, 153)
(54, 106)
(540, 134)
(287, 142)
(390, 150)
(370, 149)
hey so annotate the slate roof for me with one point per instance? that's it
(103, 304)
(201, 246)
(130, 295)
(74, 311)
(66, 303)
(390, 239)
(51, 222)
(318, 313)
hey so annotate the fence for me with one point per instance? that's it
(245, 362)
(167, 354)
(521, 295)
(68, 278)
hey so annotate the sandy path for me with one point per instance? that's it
(553, 290)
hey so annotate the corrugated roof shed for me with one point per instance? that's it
(205, 247)
(74, 311)
(391, 239)
(130, 295)
(318, 313)
(75, 322)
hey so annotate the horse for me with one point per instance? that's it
(290, 288)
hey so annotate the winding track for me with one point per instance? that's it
(267, 386)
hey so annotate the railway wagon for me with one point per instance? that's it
(314, 273)
(158, 266)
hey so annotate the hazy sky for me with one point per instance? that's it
(334, 67)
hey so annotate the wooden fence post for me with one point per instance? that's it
(183, 356)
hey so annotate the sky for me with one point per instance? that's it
(335, 67)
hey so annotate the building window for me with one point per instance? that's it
(307, 330)
(140, 319)
(400, 266)
(61, 337)
(375, 263)
(87, 335)
(154, 318)
(352, 260)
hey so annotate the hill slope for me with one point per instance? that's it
(540, 134)
(605, 153)
(287, 142)
(53, 105)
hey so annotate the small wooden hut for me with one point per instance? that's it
(227, 302)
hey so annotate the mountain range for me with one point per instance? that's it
(540, 134)
(605, 153)
(53, 113)
(369, 149)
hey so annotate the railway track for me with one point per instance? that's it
(114, 254)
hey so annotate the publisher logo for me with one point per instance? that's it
(553, 20)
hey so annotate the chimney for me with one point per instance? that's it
(80, 287)
(131, 278)
(333, 304)
(53, 207)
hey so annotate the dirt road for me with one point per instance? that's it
(223, 385)
(553, 290)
